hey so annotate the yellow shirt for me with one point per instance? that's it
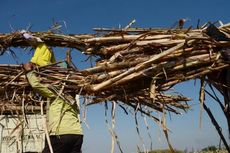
(43, 55)
(63, 117)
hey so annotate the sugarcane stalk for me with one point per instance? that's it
(124, 38)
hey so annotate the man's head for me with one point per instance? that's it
(43, 55)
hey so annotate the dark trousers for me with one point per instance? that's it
(68, 143)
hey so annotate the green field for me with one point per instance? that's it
(180, 151)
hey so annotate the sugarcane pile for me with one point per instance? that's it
(135, 67)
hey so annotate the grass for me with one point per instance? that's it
(165, 151)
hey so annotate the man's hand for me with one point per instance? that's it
(1, 90)
(28, 66)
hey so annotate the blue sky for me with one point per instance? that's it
(80, 17)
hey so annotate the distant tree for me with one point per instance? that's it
(209, 148)
(192, 150)
(186, 150)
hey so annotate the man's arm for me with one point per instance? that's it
(43, 89)
(40, 88)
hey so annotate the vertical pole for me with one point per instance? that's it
(214, 122)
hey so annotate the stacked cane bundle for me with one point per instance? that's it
(134, 67)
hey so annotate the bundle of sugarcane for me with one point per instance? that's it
(161, 57)
(16, 92)
(135, 66)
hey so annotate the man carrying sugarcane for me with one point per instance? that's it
(64, 127)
